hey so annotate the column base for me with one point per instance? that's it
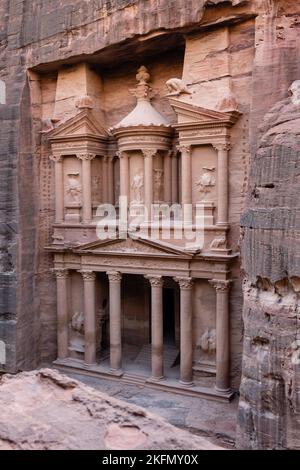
(223, 390)
(186, 384)
(155, 379)
(116, 371)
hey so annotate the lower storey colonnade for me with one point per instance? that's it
(157, 337)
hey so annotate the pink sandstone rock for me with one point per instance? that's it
(44, 410)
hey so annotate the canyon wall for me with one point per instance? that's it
(269, 405)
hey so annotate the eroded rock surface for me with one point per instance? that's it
(269, 410)
(45, 410)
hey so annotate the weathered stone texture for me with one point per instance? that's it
(269, 405)
(78, 417)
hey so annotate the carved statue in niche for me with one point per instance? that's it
(206, 181)
(137, 186)
(294, 91)
(74, 188)
(77, 332)
(158, 184)
(208, 341)
(176, 87)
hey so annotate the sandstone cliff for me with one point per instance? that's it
(55, 412)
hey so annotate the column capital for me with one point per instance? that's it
(184, 148)
(88, 275)
(149, 153)
(114, 276)
(122, 154)
(185, 283)
(86, 156)
(225, 146)
(155, 281)
(61, 273)
(219, 285)
(56, 158)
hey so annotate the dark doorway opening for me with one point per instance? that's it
(169, 316)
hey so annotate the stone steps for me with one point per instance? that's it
(134, 379)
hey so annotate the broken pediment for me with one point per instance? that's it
(131, 246)
(190, 114)
(84, 124)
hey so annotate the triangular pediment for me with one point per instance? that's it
(187, 113)
(83, 124)
(131, 246)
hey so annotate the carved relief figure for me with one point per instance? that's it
(207, 181)
(77, 332)
(218, 242)
(295, 92)
(74, 188)
(208, 341)
(137, 186)
(96, 181)
(158, 184)
(176, 87)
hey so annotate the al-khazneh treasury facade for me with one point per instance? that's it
(160, 119)
(148, 305)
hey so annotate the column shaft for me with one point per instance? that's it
(59, 190)
(110, 181)
(148, 181)
(86, 188)
(105, 179)
(115, 320)
(175, 188)
(186, 331)
(223, 185)
(62, 313)
(89, 316)
(168, 177)
(124, 174)
(222, 333)
(157, 364)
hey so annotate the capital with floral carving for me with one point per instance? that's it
(155, 281)
(56, 158)
(88, 275)
(184, 149)
(61, 273)
(122, 154)
(220, 285)
(149, 153)
(86, 156)
(114, 276)
(223, 146)
(185, 283)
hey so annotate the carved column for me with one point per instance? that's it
(186, 330)
(223, 151)
(124, 173)
(105, 179)
(115, 318)
(168, 177)
(59, 188)
(157, 326)
(222, 333)
(148, 179)
(186, 181)
(110, 180)
(89, 278)
(175, 197)
(62, 312)
(86, 187)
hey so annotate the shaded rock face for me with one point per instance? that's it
(55, 412)
(270, 390)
